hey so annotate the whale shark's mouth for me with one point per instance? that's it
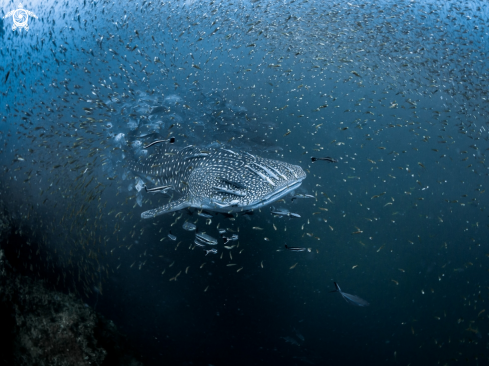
(236, 206)
(276, 195)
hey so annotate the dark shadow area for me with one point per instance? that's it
(43, 326)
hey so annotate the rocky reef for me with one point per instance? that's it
(43, 327)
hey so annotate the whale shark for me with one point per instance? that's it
(214, 179)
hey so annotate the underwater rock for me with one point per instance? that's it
(45, 327)
(4, 223)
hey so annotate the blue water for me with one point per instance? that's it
(396, 91)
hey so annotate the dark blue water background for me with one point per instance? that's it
(396, 91)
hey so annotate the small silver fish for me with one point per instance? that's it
(327, 158)
(295, 249)
(170, 140)
(189, 226)
(282, 212)
(204, 214)
(157, 189)
(352, 299)
(207, 239)
(295, 196)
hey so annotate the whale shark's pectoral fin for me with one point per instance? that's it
(172, 206)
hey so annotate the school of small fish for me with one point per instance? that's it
(383, 104)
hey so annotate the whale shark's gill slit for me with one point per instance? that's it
(229, 191)
(261, 175)
(234, 184)
(290, 170)
(268, 171)
(252, 156)
(276, 171)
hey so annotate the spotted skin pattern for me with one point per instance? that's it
(219, 180)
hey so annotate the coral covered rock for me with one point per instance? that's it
(44, 327)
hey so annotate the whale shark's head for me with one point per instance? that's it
(225, 184)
